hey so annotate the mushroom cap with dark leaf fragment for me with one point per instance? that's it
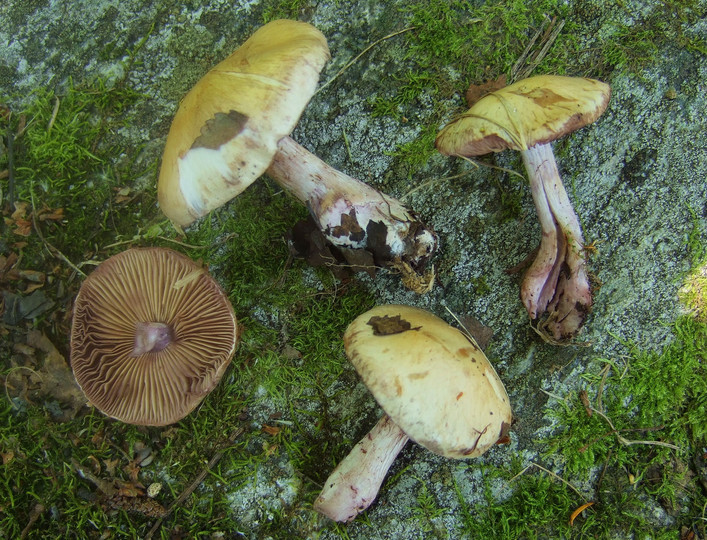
(432, 380)
(225, 132)
(152, 334)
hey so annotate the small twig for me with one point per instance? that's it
(192, 487)
(364, 51)
(165, 239)
(432, 181)
(549, 33)
(54, 251)
(463, 328)
(600, 391)
(473, 162)
(584, 398)
(55, 111)
(37, 511)
(346, 144)
(627, 442)
(10, 169)
(7, 394)
(554, 396)
(548, 471)
(603, 471)
(104, 486)
(526, 52)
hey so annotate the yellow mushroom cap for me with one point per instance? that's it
(150, 286)
(226, 130)
(532, 111)
(435, 384)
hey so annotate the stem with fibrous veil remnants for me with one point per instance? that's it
(350, 213)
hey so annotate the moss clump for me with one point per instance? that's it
(285, 9)
(67, 157)
(531, 510)
(648, 424)
(629, 46)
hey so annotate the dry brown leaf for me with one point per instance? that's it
(56, 378)
(132, 469)
(7, 457)
(49, 214)
(123, 195)
(31, 287)
(23, 348)
(110, 465)
(481, 333)
(477, 91)
(20, 211)
(23, 227)
(130, 489)
(271, 430)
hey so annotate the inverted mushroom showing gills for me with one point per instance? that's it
(527, 116)
(435, 386)
(234, 125)
(151, 336)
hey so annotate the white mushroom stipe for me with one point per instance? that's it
(345, 208)
(355, 482)
(562, 287)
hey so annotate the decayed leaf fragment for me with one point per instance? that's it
(579, 511)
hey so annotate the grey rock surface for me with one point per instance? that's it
(634, 177)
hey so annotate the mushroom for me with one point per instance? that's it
(234, 125)
(527, 116)
(152, 334)
(435, 386)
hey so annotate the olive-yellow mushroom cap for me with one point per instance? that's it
(151, 336)
(225, 132)
(434, 383)
(532, 111)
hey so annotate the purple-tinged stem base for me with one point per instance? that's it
(557, 283)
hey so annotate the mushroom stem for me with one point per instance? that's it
(151, 337)
(354, 483)
(557, 281)
(350, 213)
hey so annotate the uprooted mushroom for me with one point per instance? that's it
(435, 386)
(527, 116)
(234, 125)
(151, 336)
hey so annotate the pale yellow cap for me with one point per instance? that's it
(434, 382)
(226, 130)
(533, 111)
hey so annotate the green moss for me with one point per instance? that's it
(65, 158)
(417, 152)
(285, 9)
(630, 47)
(478, 42)
(532, 510)
(653, 400)
(638, 446)
(481, 287)
(485, 40)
